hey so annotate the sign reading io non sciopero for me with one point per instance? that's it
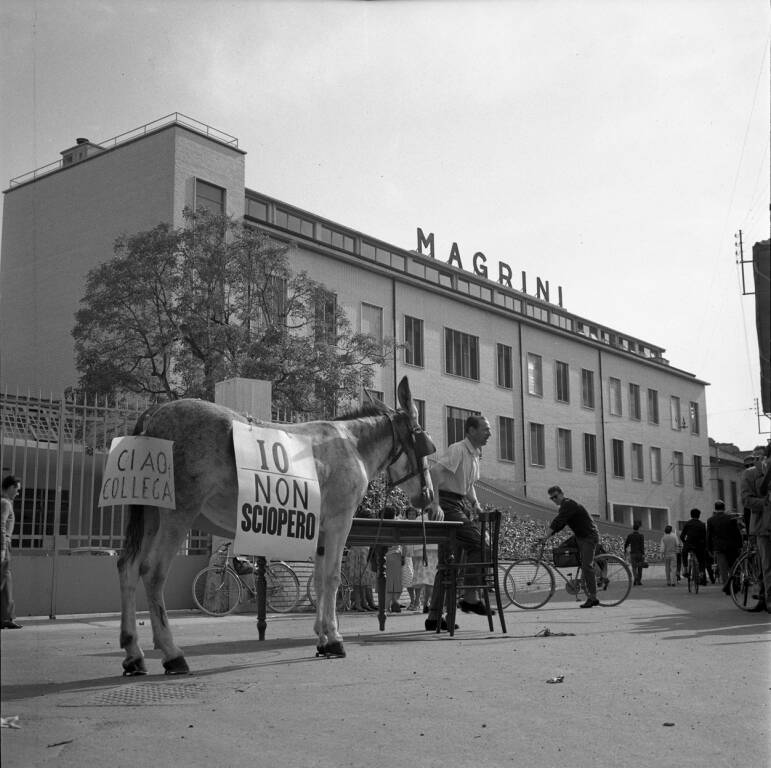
(279, 500)
(140, 470)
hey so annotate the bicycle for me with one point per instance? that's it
(746, 580)
(219, 589)
(692, 572)
(530, 582)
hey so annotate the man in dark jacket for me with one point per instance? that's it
(572, 514)
(694, 538)
(635, 543)
(724, 539)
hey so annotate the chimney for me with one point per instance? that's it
(83, 148)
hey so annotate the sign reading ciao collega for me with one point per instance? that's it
(279, 500)
(139, 470)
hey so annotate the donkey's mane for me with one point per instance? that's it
(368, 409)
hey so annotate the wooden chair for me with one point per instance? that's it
(490, 529)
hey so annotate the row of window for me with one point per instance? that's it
(456, 418)
(618, 456)
(615, 394)
(462, 359)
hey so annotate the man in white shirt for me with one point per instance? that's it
(453, 476)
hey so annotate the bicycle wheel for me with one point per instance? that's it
(282, 588)
(217, 590)
(614, 579)
(529, 583)
(746, 582)
(342, 600)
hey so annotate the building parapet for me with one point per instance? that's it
(175, 118)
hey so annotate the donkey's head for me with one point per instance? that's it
(408, 466)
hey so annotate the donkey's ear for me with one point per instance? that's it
(404, 394)
(375, 402)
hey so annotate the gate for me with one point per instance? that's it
(58, 448)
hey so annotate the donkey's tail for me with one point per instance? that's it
(135, 527)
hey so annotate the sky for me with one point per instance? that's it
(613, 148)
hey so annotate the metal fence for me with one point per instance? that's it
(58, 448)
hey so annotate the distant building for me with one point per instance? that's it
(571, 401)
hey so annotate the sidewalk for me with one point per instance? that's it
(666, 679)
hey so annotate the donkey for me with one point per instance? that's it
(348, 453)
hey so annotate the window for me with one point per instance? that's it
(461, 351)
(534, 375)
(421, 406)
(334, 238)
(655, 465)
(634, 402)
(372, 320)
(590, 453)
(413, 341)
(506, 438)
(325, 327)
(294, 223)
(564, 449)
(674, 412)
(698, 476)
(209, 196)
(456, 423)
(734, 497)
(257, 209)
(587, 388)
(637, 461)
(504, 371)
(537, 447)
(562, 382)
(377, 394)
(539, 313)
(720, 488)
(618, 458)
(272, 303)
(615, 396)
(677, 468)
(653, 406)
(693, 413)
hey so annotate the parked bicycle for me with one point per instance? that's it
(219, 589)
(746, 579)
(530, 582)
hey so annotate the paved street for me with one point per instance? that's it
(668, 679)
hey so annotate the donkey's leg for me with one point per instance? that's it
(128, 574)
(129, 566)
(327, 581)
(170, 535)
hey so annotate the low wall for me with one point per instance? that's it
(89, 584)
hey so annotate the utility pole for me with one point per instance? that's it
(740, 260)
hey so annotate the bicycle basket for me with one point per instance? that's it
(565, 557)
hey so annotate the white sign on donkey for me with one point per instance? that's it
(279, 500)
(139, 470)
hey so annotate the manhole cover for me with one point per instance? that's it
(141, 695)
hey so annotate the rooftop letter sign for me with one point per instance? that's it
(140, 470)
(479, 263)
(279, 500)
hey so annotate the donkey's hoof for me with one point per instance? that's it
(331, 650)
(176, 666)
(134, 667)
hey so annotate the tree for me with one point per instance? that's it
(176, 310)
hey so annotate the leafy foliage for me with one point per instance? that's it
(177, 310)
